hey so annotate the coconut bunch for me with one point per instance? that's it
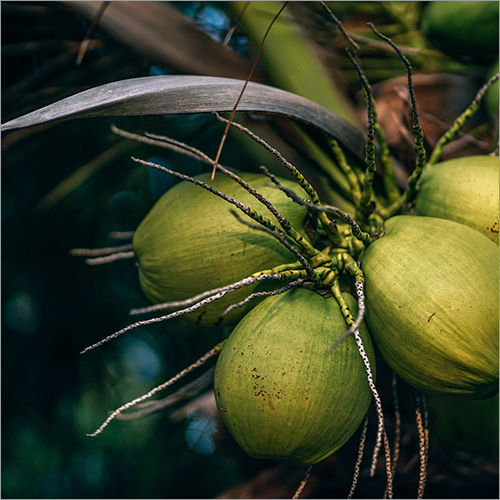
(311, 291)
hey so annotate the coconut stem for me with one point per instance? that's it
(284, 223)
(174, 314)
(389, 176)
(355, 271)
(294, 171)
(452, 132)
(364, 237)
(371, 167)
(309, 270)
(411, 191)
(361, 313)
(350, 174)
(359, 458)
(340, 26)
(199, 362)
(180, 147)
(241, 206)
(165, 141)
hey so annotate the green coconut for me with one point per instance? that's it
(280, 391)
(190, 242)
(432, 305)
(461, 29)
(464, 190)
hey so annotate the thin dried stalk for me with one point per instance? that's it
(254, 295)
(109, 258)
(303, 483)
(97, 252)
(166, 317)
(186, 392)
(250, 280)
(359, 458)
(199, 362)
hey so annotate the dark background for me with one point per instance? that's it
(53, 305)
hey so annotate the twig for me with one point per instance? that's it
(451, 133)
(86, 40)
(254, 65)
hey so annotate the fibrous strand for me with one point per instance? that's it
(159, 319)
(250, 280)
(411, 190)
(199, 362)
(186, 149)
(310, 271)
(422, 444)
(121, 235)
(97, 252)
(378, 402)
(340, 26)
(289, 166)
(303, 483)
(186, 392)
(256, 194)
(356, 230)
(359, 458)
(252, 69)
(452, 132)
(254, 295)
(241, 206)
(109, 258)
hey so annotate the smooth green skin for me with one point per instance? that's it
(432, 305)
(464, 190)
(463, 28)
(280, 392)
(190, 243)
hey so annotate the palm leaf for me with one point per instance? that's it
(185, 94)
